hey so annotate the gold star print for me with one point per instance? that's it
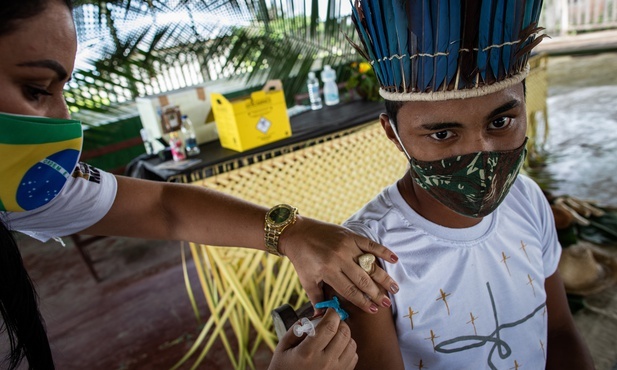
(516, 365)
(524, 248)
(421, 365)
(432, 338)
(542, 347)
(410, 315)
(505, 259)
(531, 283)
(443, 298)
(473, 323)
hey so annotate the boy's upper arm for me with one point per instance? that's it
(375, 335)
(559, 316)
(566, 347)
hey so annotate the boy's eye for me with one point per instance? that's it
(500, 123)
(35, 93)
(441, 135)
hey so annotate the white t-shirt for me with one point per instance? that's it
(86, 197)
(470, 298)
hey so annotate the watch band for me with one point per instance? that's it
(272, 241)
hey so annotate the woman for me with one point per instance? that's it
(38, 46)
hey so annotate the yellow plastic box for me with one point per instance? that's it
(249, 122)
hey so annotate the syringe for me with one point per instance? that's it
(306, 326)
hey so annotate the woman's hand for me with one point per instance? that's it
(327, 253)
(330, 349)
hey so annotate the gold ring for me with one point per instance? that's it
(367, 262)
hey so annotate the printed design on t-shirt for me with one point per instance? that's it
(420, 365)
(468, 342)
(432, 338)
(87, 172)
(504, 260)
(472, 321)
(524, 248)
(530, 281)
(516, 365)
(542, 348)
(410, 315)
(443, 296)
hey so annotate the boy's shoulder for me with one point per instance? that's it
(379, 208)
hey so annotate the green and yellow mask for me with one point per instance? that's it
(37, 157)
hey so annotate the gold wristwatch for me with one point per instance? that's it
(277, 219)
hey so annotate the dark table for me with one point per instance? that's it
(305, 127)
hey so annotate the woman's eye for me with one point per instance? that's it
(500, 123)
(441, 135)
(35, 93)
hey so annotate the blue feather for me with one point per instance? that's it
(381, 30)
(484, 35)
(508, 36)
(454, 42)
(375, 43)
(402, 32)
(497, 39)
(426, 46)
(527, 14)
(415, 36)
(442, 36)
(369, 45)
(537, 8)
(393, 44)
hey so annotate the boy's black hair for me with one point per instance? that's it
(392, 107)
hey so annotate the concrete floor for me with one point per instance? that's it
(139, 316)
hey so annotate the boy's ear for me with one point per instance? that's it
(387, 127)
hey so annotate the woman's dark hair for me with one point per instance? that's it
(18, 300)
(13, 11)
(19, 307)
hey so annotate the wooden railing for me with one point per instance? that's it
(561, 17)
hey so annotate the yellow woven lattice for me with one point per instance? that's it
(328, 181)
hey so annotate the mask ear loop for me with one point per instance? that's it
(395, 130)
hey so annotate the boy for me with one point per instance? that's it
(479, 286)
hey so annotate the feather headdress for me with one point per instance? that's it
(446, 49)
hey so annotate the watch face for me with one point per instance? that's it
(280, 215)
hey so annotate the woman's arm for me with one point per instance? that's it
(566, 348)
(321, 252)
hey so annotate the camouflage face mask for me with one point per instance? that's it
(472, 185)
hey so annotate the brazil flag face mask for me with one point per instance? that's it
(37, 157)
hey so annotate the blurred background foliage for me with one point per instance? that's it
(133, 48)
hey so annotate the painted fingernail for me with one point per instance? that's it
(394, 288)
(394, 258)
(386, 302)
(373, 308)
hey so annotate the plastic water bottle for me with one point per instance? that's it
(313, 90)
(190, 140)
(330, 89)
(145, 137)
